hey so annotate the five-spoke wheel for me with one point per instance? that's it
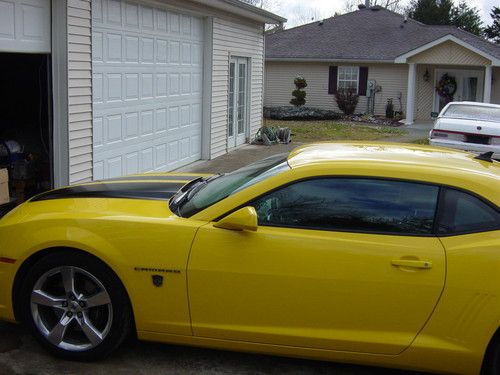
(71, 308)
(75, 305)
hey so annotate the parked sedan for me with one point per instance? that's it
(381, 254)
(468, 126)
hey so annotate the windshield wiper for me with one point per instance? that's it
(188, 191)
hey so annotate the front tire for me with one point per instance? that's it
(75, 306)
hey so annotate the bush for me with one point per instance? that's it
(347, 101)
(299, 96)
(289, 113)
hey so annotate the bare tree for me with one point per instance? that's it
(264, 4)
(393, 5)
(303, 15)
(350, 6)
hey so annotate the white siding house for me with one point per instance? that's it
(143, 85)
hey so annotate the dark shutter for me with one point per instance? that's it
(363, 80)
(332, 80)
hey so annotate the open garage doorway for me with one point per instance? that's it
(26, 146)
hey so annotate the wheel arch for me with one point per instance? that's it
(35, 257)
(489, 354)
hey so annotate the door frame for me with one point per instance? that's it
(232, 142)
(59, 57)
(459, 74)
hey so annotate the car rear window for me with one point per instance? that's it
(464, 213)
(473, 112)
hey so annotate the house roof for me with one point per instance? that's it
(371, 34)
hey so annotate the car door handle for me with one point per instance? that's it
(422, 264)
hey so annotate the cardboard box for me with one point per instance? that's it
(4, 186)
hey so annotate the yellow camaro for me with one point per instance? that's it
(380, 254)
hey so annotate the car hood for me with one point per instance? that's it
(145, 186)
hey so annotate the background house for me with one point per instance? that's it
(100, 88)
(405, 58)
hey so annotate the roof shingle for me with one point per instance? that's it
(374, 34)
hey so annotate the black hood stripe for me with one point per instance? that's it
(132, 190)
(152, 177)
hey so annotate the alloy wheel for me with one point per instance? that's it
(71, 308)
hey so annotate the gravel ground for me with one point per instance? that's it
(21, 355)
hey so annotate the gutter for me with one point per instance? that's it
(305, 59)
(245, 10)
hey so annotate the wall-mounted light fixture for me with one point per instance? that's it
(427, 75)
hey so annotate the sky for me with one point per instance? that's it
(298, 11)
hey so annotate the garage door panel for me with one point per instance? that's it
(25, 26)
(147, 88)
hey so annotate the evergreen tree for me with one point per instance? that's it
(493, 31)
(466, 18)
(431, 12)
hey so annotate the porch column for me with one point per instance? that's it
(410, 96)
(487, 84)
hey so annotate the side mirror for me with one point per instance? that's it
(243, 219)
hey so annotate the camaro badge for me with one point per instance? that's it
(157, 280)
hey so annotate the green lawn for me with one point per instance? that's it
(423, 141)
(315, 131)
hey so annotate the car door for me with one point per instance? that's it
(337, 263)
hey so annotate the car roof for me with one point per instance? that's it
(392, 154)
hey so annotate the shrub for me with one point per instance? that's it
(299, 96)
(347, 101)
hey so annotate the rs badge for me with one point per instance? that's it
(157, 280)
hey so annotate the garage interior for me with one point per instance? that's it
(25, 124)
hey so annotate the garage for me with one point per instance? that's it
(25, 100)
(147, 76)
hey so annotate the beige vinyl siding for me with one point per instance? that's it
(280, 75)
(425, 93)
(239, 39)
(79, 91)
(495, 89)
(449, 53)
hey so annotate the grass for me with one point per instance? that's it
(315, 131)
(422, 141)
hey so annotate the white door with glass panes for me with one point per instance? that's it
(469, 87)
(238, 102)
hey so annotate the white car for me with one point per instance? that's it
(468, 126)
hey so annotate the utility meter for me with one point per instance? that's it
(370, 88)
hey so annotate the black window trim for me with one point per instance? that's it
(440, 207)
(437, 213)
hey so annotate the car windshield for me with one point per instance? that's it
(472, 112)
(204, 193)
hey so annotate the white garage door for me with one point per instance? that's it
(147, 88)
(25, 26)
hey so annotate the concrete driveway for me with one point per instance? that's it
(20, 354)
(250, 153)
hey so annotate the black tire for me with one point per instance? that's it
(114, 314)
(491, 364)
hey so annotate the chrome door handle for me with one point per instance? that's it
(421, 264)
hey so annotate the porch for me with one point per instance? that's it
(461, 71)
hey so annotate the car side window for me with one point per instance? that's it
(351, 204)
(461, 212)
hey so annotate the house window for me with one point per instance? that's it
(348, 78)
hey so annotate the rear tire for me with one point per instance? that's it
(75, 306)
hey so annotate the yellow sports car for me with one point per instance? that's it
(380, 254)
